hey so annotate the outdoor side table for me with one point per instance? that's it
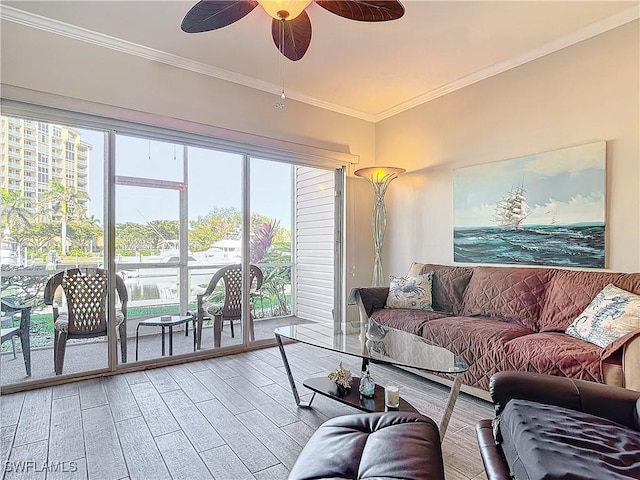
(164, 324)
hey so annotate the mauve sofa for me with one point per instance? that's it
(512, 318)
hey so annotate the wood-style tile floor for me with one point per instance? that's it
(229, 418)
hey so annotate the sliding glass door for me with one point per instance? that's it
(151, 254)
(51, 220)
(170, 216)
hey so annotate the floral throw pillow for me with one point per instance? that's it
(410, 292)
(613, 313)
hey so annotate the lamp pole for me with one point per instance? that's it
(379, 178)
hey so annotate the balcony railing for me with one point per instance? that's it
(153, 290)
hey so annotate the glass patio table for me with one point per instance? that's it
(373, 343)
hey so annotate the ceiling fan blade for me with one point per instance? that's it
(364, 10)
(297, 36)
(209, 15)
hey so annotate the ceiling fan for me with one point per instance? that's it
(291, 26)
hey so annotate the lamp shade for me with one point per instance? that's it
(293, 8)
(379, 174)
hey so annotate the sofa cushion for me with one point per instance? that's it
(479, 341)
(449, 284)
(612, 314)
(410, 292)
(557, 354)
(509, 293)
(408, 320)
(544, 442)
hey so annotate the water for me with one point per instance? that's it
(141, 291)
(158, 284)
(580, 245)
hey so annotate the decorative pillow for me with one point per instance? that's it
(612, 314)
(410, 292)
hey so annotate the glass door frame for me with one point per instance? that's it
(38, 106)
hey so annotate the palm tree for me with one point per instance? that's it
(67, 202)
(14, 211)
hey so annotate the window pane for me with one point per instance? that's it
(52, 206)
(139, 157)
(271, 206)
(215, 226)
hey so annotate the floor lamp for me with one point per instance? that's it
(379, 178)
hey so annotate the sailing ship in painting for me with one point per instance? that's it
(512, 209)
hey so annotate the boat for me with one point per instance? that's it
(511, 211)
(170, 252)
(9, 250)
(225, 251)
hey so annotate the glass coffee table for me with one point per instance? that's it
(373, 343)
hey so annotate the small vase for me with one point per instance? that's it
(367, 385)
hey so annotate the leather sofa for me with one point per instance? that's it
(550, 428)
(512, 318)
(372, 446)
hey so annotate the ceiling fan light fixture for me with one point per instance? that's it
(290, 24)
(284, 9)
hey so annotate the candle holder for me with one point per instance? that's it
(392, 397)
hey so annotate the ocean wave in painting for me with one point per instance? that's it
(580, 245)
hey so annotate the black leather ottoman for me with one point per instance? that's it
(372, 445)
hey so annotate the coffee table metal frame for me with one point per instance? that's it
(460, 367)
(175, 321)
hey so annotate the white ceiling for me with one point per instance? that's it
(368, 70)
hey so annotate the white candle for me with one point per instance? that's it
(392, 396)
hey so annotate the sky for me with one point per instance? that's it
(564, 186)
(214, 180)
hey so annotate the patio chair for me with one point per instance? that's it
(85, 290)
(231, 309)
(9, 308)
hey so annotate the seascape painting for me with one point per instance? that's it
(542, 209)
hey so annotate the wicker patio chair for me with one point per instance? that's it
(85, 290)
(9, 331)
(231, 309)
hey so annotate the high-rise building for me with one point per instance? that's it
(34, 154)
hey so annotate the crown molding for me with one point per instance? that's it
(82, 34)
(589, 31)
(56, 27)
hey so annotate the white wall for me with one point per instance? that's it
(581, 94)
